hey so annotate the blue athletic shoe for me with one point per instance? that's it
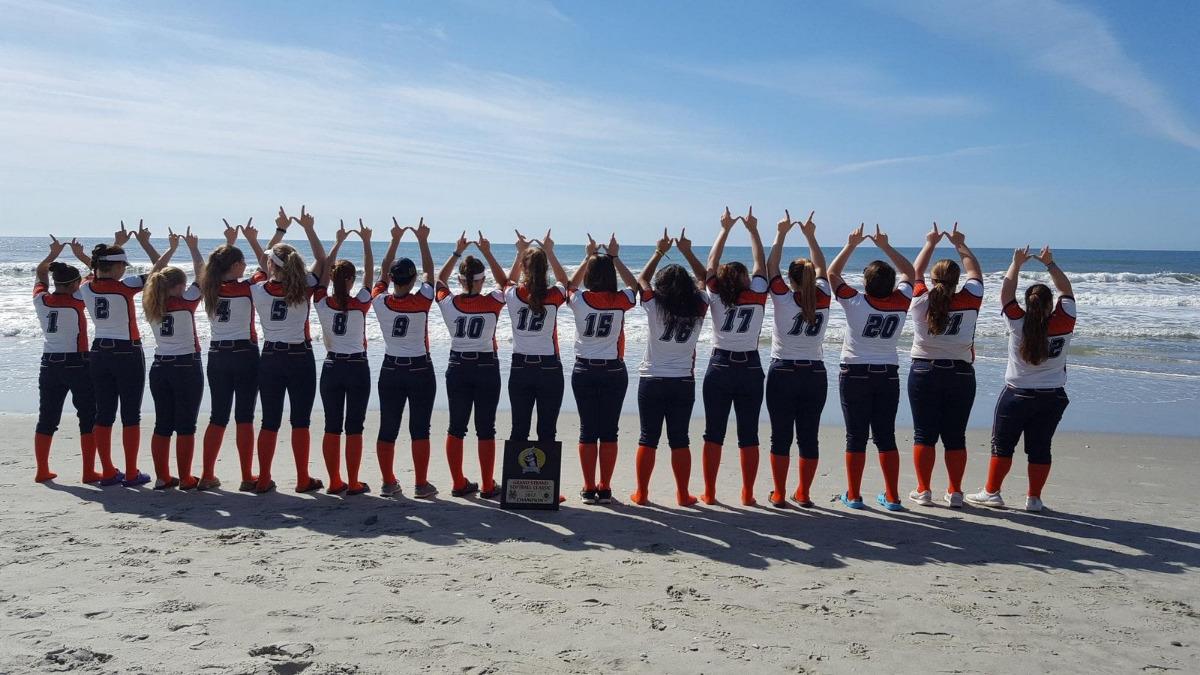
(852, 503)
(890, 506)
(140, 479)
(117, 479)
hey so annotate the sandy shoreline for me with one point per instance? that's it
(227, 582)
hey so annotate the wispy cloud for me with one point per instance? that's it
(853, 167)
(1062, 39)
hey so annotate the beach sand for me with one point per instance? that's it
(135, 580)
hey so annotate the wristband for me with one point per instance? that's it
(456, 254)
(281, 229)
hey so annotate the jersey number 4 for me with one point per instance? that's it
(222, 312)
(880, 326)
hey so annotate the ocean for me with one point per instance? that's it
(1134, 362)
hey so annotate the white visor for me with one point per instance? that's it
(116, 257)
(276, 259)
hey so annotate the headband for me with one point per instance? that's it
(277, 260)
(69, 281)
(114, 257)
(472, 278)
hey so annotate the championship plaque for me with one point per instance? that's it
(530, 478)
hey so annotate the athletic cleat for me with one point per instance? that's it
(588, 496)
(358, 489)
(890, 506)
(953, 499)
(116, 479)
(314, 484)
(262, 488)
(1034, 504)
(426, 491)
(852, 503)
(603, 496)
(391, 490)
(985, 498)
(166, 484)
(924, 498)
(214, 483)
(140, 479)
(466, 490)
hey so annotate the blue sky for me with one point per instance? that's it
(1025, 120)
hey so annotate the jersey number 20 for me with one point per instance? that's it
(880, 326)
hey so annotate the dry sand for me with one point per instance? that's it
(134, 580)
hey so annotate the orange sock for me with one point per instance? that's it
(808, 470)
(213, 436)
(331, 449)
(644, 467)
(749, 460)
(41, 453)
(131, 440)
(779, 469)
(386, 452)
(956, 466)
(160, 454)
(487, 464)
(924, 457)
(889, 461)
(87, 445)
(420, 457)
(588, 454)
(353, 458)
(710, 464)
(681, 466)
(1038, 473)
(855, 463)
(185, 448)
(103, 437)
(266, 454)
(997, 469)
(245, 448)
(454, 457)
(300, 449)
(608, 463)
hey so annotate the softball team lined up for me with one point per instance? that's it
(107, 374)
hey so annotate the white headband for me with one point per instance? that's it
(276, 259)
(116, 257)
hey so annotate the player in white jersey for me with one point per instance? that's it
(232, 367)
(797, 384)
(64, 368)
(737, 299)
(177, 374)
(345, 375)
(599, 378)
(675, 309)
(473, 375)
(282, 294)
(406, 375)
(869, 382)
(1034, 396)
(116, 361)
(941, 381)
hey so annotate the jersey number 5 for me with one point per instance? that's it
(278, 310)
(1056, 347)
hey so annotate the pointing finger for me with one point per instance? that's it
(227, 225)
(810, 216)
(787, 214)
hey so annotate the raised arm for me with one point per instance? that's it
(1008, 288)
(581, 271)
(79, 253)
(43, 268)
(422, 232)
(389, 256)
(485, 247)
(781, 232)
(326, 271)
(839, 261)
(1061, 282)
(309, 223)
(193, 244)
(922, 262)
(684, 245)
(282, 221)
(718, 247)
(903, 266)
(514, 273)
(627, 277)
(143, 237)
(560, 274)
(251, 234)
(368, 265)
(969, 261)
(756, 246)
(172, 245)
(448, 267)
(660, 250)
(815, 254)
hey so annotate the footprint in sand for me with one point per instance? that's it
(74, 658)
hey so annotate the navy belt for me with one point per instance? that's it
(336, 356)
(194, 357)
(63, 357)
(407, 360)
(226, 345)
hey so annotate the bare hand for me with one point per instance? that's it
(462, 242)
(682, 242)
(173, 239)
(482, 243)
(76, 247)
(282, 220)
(142, 234)
(613, 247)
(1021, 256)
(590, 249)
(856, 236)
(785, 223)
(664, 244)
(880, 237)
(397, 231)
(957, 238)
(306, 219)
(1046, 256)
(250, 231)
(808, 227)
(522, 243)
(122, 236)
(547, 242)
(364, 232)
(56, 247)
(422, 231)
(750, 221)
(727, 219)
(193, 241)
(934, 235)
(342, 233)
(230, 232)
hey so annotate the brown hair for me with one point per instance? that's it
(342, 275)
(731, 281)
(220, 261)
(1039, 305)
(64, 275)
(879, 279)
(675, 292)
(468, 269)
(534, 266)
(100, 250)
(803, 275)
(601, 274)
(944, 279)
(158, 292)
(292, 275)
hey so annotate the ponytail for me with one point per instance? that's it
(99, 251)
(220, 261)
(1039, 305)
(731, 281)
(342, 276)
(533, 277)
(945, 280)
(291, 274)
(471, 269)
(63, 274)
(803, 275)
(158, 292)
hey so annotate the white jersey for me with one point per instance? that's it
(404, 320)
(343, 329)
(793, 338)
(1051, 373)
(957, 341)
(110, 304)
(600, 322)
(471, 318)
(671, 345)
(873, 325)
(282, 322)
(63, 321)
(534, 333)
(736, 328)
(233, 317)
(175, 335)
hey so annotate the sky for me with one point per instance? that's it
(1027, 121)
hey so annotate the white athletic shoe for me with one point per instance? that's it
(953, 499)
(985, 498)
(923, 498)
(1034, 504)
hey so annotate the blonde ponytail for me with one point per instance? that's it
(158, 292)
(291, 275)
(803, 275)
(945, 281)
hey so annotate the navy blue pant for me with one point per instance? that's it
(796, 393)
(941, 393)
(870, 396)
(177, 385)
(599, 387)
(118, 370)
(473, 382)
(287, 369)
(666, 400)
(1035, 413)
(345, 392)
(63, 374)
(733, 380)
(535, 381)
(232, 375)
(408, 380)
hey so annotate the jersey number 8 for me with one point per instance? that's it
(339, 323)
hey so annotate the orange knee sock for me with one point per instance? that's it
(454, 457)
(644, 466)
(779, 469)
(889, 461)
(160, 455)
(924, 457)
(103, 437)
(87, 445)
(41, 453)
(331, 449)
(855, 463)
(808, 470)
(997, 469)
(386, 452)
(710, 464)
(185, 449)
(487, 464)
(1038, 473)
(748, 456)
(588, 453)
(608, 464)
(131, 440)
(956, 466)
(354, 450)
(266, 454)
(213, 435)
(420, 457)
(300, 449)
(681, 466)
(245, 448)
